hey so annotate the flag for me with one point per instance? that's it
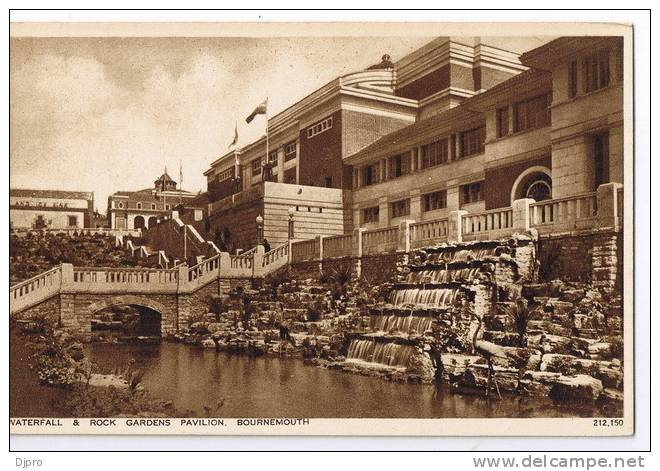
(235, 141)
(261, 109)
(180, 174)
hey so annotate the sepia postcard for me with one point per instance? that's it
(321, 229)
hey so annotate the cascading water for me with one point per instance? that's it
(437, 297)
(405, 324)
(389, 354)
(463, 255)
(441, 276)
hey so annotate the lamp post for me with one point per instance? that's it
(291, 213)
(260, 234)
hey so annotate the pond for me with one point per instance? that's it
(193, 378)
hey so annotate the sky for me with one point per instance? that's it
(109, 114)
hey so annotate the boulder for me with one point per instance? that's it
(420, 365)
(578, 388)
(208, 343)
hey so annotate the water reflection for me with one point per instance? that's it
(278, 387)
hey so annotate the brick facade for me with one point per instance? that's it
(320, 156)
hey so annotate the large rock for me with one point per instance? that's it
(420, 364)
(578, 388)
(208, 343)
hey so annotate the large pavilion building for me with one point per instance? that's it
(461, 123)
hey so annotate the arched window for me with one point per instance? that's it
(152, 221)
(535, 183)
(138, 222)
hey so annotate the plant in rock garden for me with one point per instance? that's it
(520, 314)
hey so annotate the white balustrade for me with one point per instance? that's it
(428, 232)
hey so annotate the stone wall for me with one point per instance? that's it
(380, 268)
(305, 270)
(592, 255)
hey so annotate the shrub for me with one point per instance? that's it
(547, 260)
(520, 314)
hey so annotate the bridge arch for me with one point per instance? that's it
(152, 314)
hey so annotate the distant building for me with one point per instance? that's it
(143, 208)
(50, 209)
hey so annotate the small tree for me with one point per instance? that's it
(520, 314)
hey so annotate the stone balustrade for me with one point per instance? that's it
(380, 240)
(598, 210)
(338, 246)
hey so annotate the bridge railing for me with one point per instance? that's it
(36, 289)
(205, 271)
(92, 279)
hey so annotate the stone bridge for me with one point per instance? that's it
(70, 296)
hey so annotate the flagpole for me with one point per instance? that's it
(267, 156)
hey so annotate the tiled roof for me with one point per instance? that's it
(55, 194)
(165, 177)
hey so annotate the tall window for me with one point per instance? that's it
(472, 141)
(256, 167)
(139, 205)
(572, 79)
(290, 151)
(370, 174)
(502, 121)
(435, 153)
(435, 200)
(532, 113)
(153, 206)
(601, 159)
(370, 215)
(290, 175)
(596, 71)
(272, 156)
(400, 208)
(73, 221)
(399, 165)
(471, 193)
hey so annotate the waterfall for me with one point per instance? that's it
(390, 354)
(462, 255)
(442, 276)
(405, 324)
(438, 297)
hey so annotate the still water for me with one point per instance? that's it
(280, 387)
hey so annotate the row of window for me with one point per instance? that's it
(527, 114)
(290, 153)
(120, 205)
(595, 73)
(225, 175)
(470, 193)
(432, 154)
(319, 127)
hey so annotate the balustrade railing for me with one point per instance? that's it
(428, 232)
(80, 231)
(305, 250)
(279, 255)
(487, 225)
(36, 288)
(380, 240)
(135, 276)
(337, 246)
(244, 260)
(210, 266)
(563, 214)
